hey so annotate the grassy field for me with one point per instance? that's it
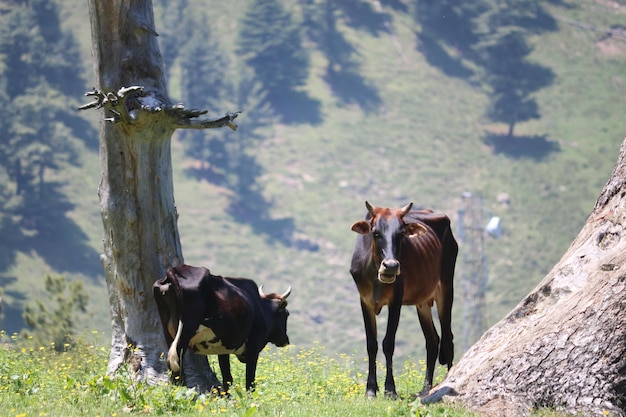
(425, 140)
(292, 381)
(37, 381)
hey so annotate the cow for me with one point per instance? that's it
(403, 257)
(213, 315)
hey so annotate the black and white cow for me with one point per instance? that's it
(214, 315)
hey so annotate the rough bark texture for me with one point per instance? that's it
(564, 345)
(136, 191)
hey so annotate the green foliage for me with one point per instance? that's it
(271, 42)
(205, 84)
(512, 81)
(40, 70)
(56, 323)
(503, 50)
(494, 37)
(10, 201)
(225, 158)
(174, 28)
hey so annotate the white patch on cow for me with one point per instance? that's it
(205, 342)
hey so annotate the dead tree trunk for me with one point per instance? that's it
(136, 192)
(564, 345)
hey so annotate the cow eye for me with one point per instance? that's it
(376, 234)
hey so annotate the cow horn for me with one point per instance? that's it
(286, 294)
(261, 293)
(406, 209)
(370, 209)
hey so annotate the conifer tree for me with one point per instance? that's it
(56, 323)
(271, 42)
(242, 169)
(493, 36)
(507, 74)
(205, 82)
(38, 71)
(175, 28)
(503, 52)
(207, 79)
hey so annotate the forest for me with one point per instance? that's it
(520, 104)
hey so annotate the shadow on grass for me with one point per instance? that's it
(46, 230)
(535, 147)
(281, 230)
(351, 88)
(248, 206)
(295, 107)
(437, 56)
(12, 306)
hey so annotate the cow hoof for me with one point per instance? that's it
(446, 353)
(425, 390)
(392, 395)
(370, 393)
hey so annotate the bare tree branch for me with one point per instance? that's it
(184, 119)
(125, 103)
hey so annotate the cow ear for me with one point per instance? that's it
(415, 229)
(362, 227)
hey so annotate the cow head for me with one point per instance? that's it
(388, 230)
(278, 334)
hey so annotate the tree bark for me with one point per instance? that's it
(136, 190)
(564, 345)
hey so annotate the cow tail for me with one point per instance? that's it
(173, 358)
(172, 354)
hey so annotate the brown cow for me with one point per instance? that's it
(405, 257)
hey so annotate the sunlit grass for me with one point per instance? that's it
(39, 381)
(292, 381)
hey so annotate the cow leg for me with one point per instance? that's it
(227, 377)
(197, 373)
(369, 319)
(389, 345)
(432, 342)
(251, 359)
(445, 299)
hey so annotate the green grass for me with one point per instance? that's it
(292, 381)
(424, 144)
(37, 381)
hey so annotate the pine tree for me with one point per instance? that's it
(174, 29)
(271, 42)
(39, 65)
(492, 35)
(56, 323)
(205, 83)
(243, 169)
(507, 73)
(502, 51)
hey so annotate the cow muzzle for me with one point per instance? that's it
(388, 271)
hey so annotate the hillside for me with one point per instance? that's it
(397, 128)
